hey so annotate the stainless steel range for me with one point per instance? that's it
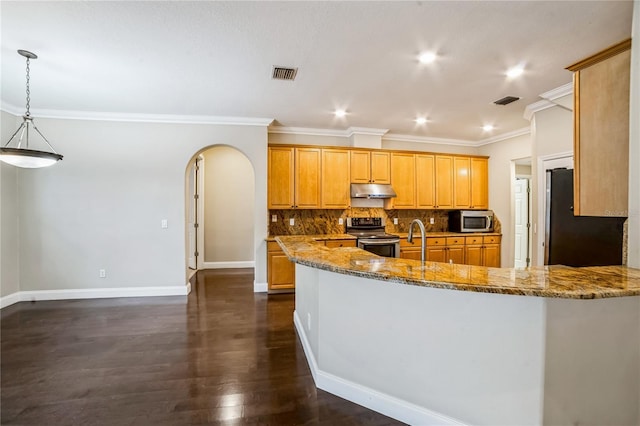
(372, 236)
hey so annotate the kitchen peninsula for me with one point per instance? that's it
(436, 343)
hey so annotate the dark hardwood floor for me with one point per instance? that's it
(226, 356)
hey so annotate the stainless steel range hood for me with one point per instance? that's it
(371, 190)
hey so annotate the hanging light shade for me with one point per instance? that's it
(20, 155)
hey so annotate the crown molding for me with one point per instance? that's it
(535, 107)
(548, 99)
(308, 131)
(140, 118)
(504, 136)
(366, 131)
(558, 92)
(426, 139)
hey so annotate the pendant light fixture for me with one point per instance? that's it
(20, 155)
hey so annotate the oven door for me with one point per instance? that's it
(386, 248)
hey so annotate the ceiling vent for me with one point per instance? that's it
(284, 73)
(506, 100)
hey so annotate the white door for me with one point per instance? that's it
(521, 256)
(192, 222)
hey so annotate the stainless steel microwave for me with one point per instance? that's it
(471, 221)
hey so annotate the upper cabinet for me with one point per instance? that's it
(601, 132)
(444, 181)
(280, 178)
(335, 179)
(294, 178)
(320, 177)
(470, 183)
(370, 167)
(403, 178)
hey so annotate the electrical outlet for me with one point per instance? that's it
(395, 220)
(164, 224)
(432, 220)
(102, 273)
(308, 321)
(340, 221)
(292, 221)
(274, 218)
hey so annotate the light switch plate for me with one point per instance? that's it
(292, 221)
(164, 224)
(431, 220)
(274, 218)
(395, 220)
(340, 221)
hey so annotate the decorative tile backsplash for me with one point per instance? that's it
(311, 222)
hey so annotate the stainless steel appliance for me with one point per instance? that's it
(471, 221)
(577, 240)
(372, 236)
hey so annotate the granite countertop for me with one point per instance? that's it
(543, 281)
(319, 237)
(416, 233)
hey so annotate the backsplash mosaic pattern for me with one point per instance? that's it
(313, 222)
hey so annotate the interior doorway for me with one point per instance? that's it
(522, 217)
(522, 223)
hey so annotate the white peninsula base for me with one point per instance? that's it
(434, 356)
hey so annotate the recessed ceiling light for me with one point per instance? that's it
(421, 120)
(340, 113)
(427, 57)
(515, 71)
(487, 127)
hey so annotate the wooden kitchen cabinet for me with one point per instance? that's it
(479, 183)
(425, 182)
(601, 85)
(403, 178)
(370, 167)
(307, 178)
(483, 251)
(280, 178)
(470, 183)
(335, 189)
(444, 182)
(455, 250)
(410, 250)
(340, 243)
(281, 272)
(294, 178)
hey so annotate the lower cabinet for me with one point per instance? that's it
(340, 243)
(478, 250)
(281, 272)
(410, 250)
(483, 251)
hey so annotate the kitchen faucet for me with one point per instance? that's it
(422, 233)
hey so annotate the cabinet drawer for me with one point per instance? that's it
(493, 239)
(340, 243)
(455, 241)
(436, 241)
(473, 240)
(273, 246)
(416, 242)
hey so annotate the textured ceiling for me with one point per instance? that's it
(215, 59)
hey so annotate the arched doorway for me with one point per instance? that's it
(220, 193)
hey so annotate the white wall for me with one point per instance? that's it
(102, 206)
(633, 253)
(9, 266)
(305, 139)
(552, 133)
(501, 181)
(228, 206)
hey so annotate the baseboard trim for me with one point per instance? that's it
(229, 265)
(388, 405)
(93, 293)
(260, 287)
